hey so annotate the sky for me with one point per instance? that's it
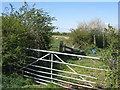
(70, 14)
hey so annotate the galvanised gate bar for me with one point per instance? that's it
(31, 72)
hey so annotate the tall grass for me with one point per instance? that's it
(15, 81)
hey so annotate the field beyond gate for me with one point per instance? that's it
(65, 73)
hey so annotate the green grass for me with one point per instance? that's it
(101, 75)
(43, 87)
(17, 81)
(55, 42)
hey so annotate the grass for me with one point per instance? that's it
(17, 81)
(55, 42)
(43, 87)
(95, 73)
(101, 75)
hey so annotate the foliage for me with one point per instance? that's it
(112, 36)
(60, 33)
(32, 28)
(15, 81)
(80, 38)
(113, 63)
(55, 42)
(94, 33)
(24, 28)
(106, 41)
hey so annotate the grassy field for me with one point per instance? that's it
(101, 75)
(16, 81)
(55, 42)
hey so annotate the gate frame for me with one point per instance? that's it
(52, 54)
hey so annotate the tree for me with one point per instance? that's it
(112, 37)
(96, 27)
(113, 45)
(88, 33)
(80, 38)
(24, 28)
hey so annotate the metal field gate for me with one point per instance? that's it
(48, 74)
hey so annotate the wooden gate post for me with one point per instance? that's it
(61, 46)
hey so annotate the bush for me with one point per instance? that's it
(15, 81)
(94, 33)
(23, 28)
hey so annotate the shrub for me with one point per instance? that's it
(23, 28)
(15, 81)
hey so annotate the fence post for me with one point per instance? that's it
(61, 46)
(51, 65)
